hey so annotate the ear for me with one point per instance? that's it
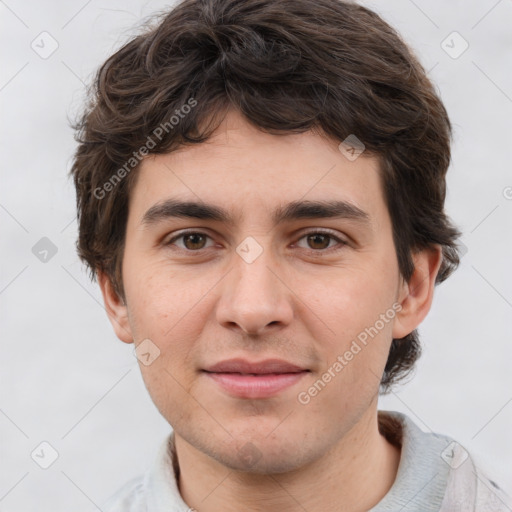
(416, 296)
(116, 310)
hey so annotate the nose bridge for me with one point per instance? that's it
(253, 297)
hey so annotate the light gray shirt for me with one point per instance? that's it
(435, 474)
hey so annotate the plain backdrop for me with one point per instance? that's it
(68, 381)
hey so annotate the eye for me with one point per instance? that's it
(319, 241)
(193, 241)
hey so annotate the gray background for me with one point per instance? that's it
(67, 380)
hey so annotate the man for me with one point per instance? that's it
(260, 188)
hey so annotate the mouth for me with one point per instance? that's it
(243, 379)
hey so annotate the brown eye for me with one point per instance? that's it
(320, 242)
(192, 241)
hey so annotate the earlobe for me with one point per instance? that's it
(117, 311)
(417, 294)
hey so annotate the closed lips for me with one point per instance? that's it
(244, 367)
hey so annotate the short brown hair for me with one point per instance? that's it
(288, 66)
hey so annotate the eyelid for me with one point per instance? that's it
(324, 231)
(185, 232)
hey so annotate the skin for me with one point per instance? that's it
(298, 300)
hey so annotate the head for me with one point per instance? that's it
(243, 107)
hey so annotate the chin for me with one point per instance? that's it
(254, 460)
(259, 453)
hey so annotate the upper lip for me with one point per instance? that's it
(261, 367)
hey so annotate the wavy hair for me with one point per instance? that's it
(288, 66)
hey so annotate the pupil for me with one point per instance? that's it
(316, 237)
(193, 236)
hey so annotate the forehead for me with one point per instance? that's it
(249, 173)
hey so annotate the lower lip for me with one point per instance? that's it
(255, 386)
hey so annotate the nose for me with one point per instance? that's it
(255, 297)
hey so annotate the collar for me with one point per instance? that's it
(420, 483)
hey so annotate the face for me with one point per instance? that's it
(292, 289)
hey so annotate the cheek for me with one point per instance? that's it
(358, 308)
(161, 298)
(169, 308)
(353, 299)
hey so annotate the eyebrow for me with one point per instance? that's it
(173, 208)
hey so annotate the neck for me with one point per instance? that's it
(353, 476)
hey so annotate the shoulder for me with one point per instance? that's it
(453, 479)
(470, 488)
(490, 497)
(129, 498)
(155, 490)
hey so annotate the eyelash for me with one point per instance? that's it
(314, 251)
